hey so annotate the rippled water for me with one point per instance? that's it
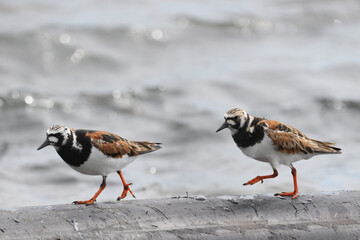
(167, 72)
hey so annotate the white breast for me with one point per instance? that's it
(100, 164)
(265, 151)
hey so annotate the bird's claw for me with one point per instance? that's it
(254, 180)
(124, 193)
(294, 194)
(87, 203)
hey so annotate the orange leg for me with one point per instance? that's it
(294, 194)
(93, 199)
(126, 187)
(261, 178)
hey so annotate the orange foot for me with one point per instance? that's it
(93, 199)
(125, 191)
(254, 180)
(261, 178)
(294, 194)
(88, 202)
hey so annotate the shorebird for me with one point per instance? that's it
(96, 153)
(272, 142)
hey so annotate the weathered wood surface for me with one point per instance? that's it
(310, 216)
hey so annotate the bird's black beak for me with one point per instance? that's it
(223, 126)
(46, 143)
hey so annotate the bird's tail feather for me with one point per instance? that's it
(145, 147)
(326, 147)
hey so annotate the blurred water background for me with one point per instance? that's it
(167, 71)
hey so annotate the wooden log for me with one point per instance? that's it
(311, 216)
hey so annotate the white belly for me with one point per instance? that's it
(266, 152)
(99, 164)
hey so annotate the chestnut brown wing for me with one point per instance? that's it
(290, 140)
(115, 146)
(111, 144)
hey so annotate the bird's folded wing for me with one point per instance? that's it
(111, 144)
(288, 139)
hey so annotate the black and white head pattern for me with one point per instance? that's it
(236, 118)
(58, 135)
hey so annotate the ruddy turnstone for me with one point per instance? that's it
(272, 142)
(96, 153)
